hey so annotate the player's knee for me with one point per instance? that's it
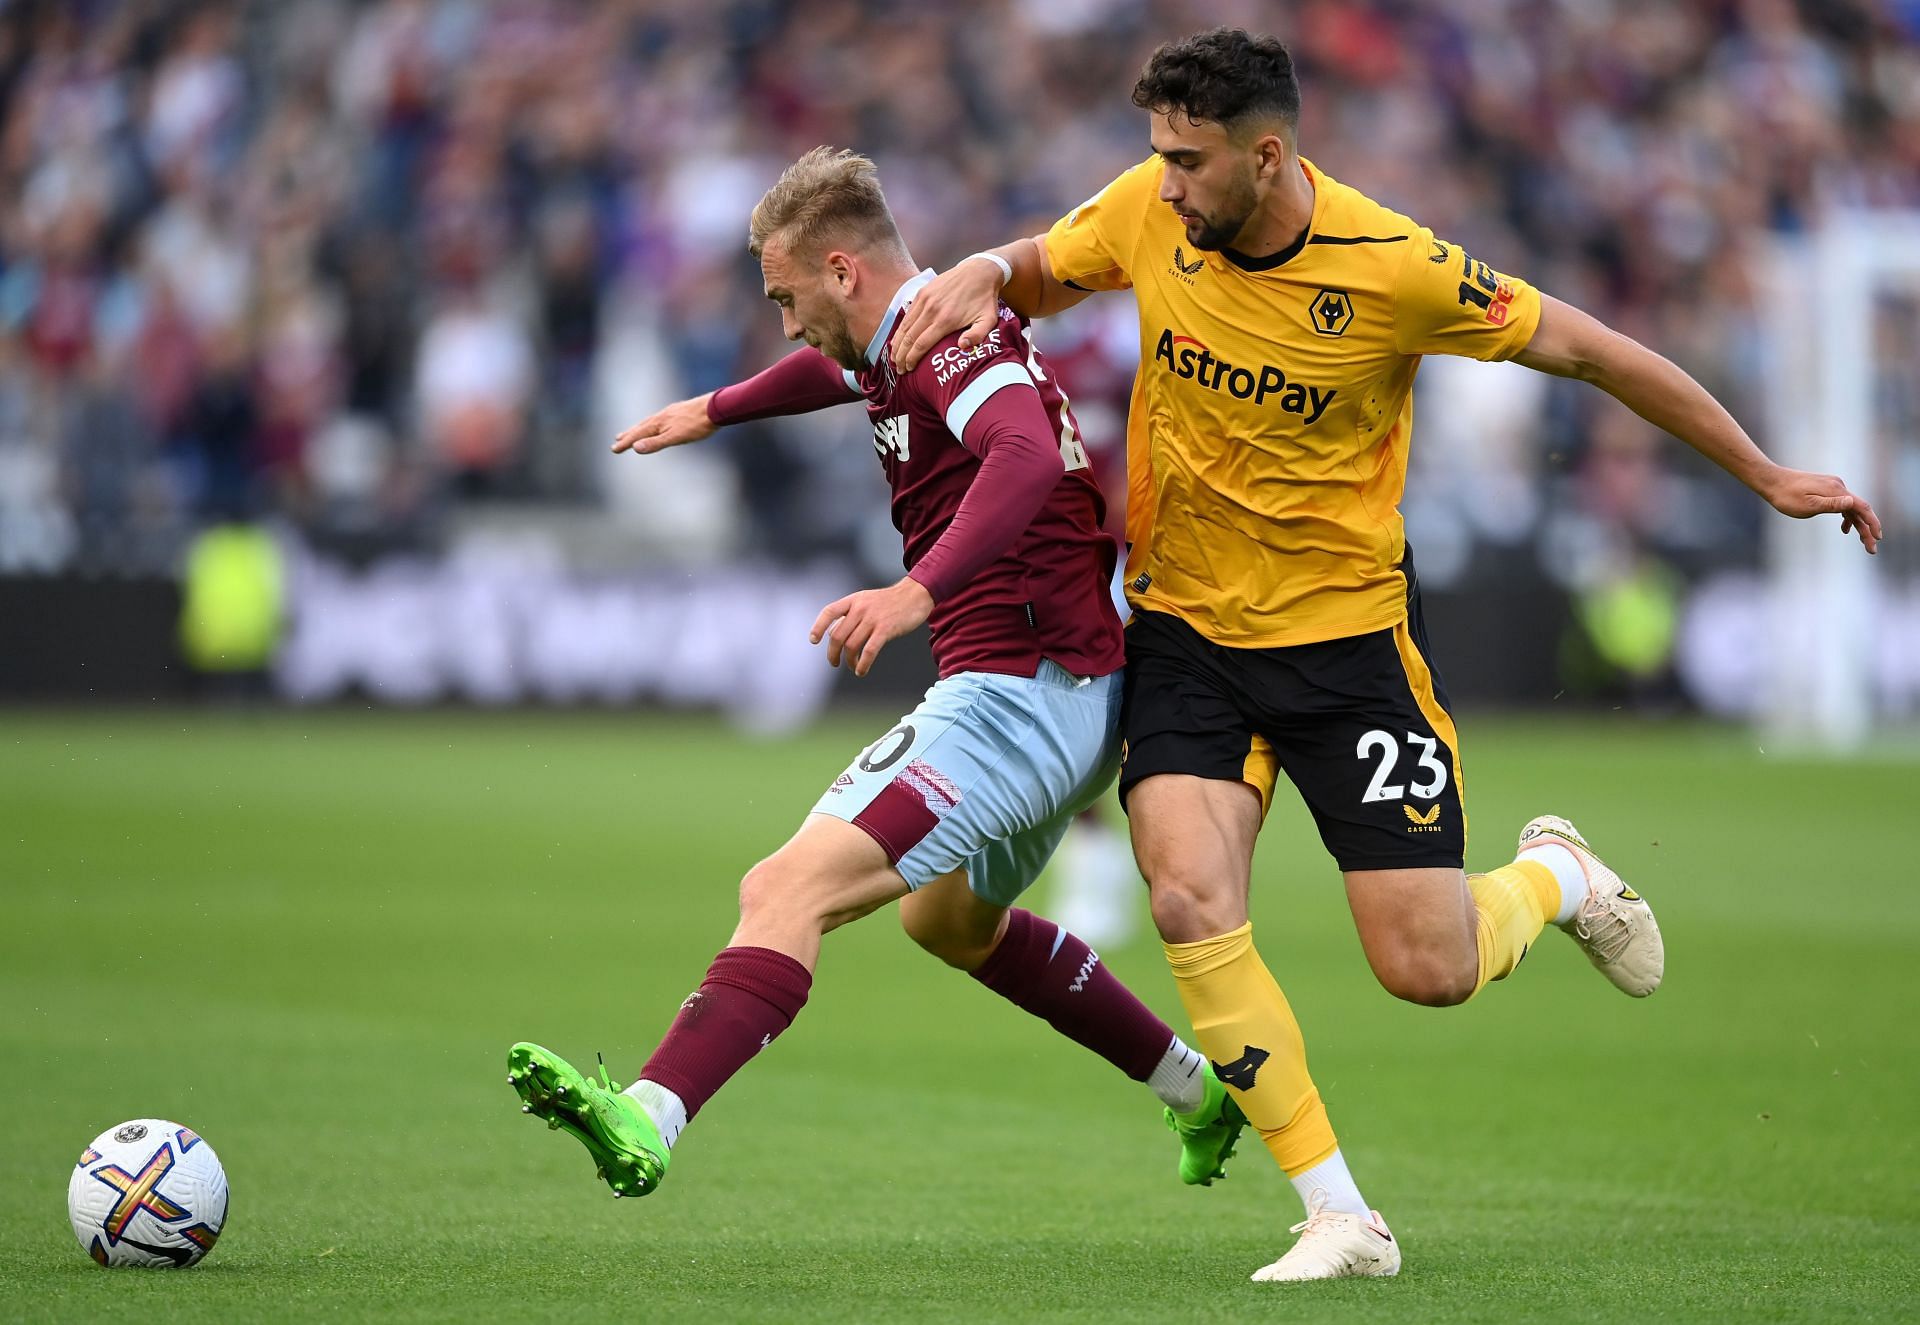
(1188, 908)
(796, 892)
(758, 889)
(772, 888)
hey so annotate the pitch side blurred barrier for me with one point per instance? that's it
(490, 629)
(65, 637)
(499, 630)
(496, 626)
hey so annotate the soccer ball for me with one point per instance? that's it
(148, 1192)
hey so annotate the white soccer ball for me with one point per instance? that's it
(148, 1192)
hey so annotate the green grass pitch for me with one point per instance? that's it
(313, 938)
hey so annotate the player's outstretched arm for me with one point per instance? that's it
(804, 381)
(1570, 343)
(968, 296)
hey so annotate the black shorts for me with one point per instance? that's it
(1359, 724)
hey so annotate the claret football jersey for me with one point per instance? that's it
(1046, 596)
(1268, 430)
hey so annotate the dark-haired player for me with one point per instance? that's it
(955, 809)
(1276, 620)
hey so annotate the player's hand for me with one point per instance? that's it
(679, 423)
(964, 296)
(1802, 494)
(858, 626)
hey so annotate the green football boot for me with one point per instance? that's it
(626, 1147)
(1208, 1134)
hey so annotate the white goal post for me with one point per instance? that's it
(1823, 294)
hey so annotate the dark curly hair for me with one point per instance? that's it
(1226, 75)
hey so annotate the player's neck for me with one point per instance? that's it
(1282, 217)
(872, 303)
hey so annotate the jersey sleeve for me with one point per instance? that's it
(990, 404)
(803, 381)
(1448, 302)
(1091, 247)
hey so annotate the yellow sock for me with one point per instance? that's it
(1242, 1022)
(1511, 906)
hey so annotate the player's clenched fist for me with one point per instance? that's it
(679, 423)
(868, 620)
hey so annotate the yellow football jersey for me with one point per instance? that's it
(1267, 437)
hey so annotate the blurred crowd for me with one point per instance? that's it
(369, 268)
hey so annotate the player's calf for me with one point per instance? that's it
(1431, 980)
(1048, 972)
(950, 922)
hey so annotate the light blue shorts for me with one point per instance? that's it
(987, 773)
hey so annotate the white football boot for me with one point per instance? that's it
(1335, 1245)
(1614, 926)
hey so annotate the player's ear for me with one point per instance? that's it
(841, 272)
(1270, 155)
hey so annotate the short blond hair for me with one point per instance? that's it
(828, 195)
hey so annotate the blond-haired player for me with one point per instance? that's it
(955, 809)
(1276, 620)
